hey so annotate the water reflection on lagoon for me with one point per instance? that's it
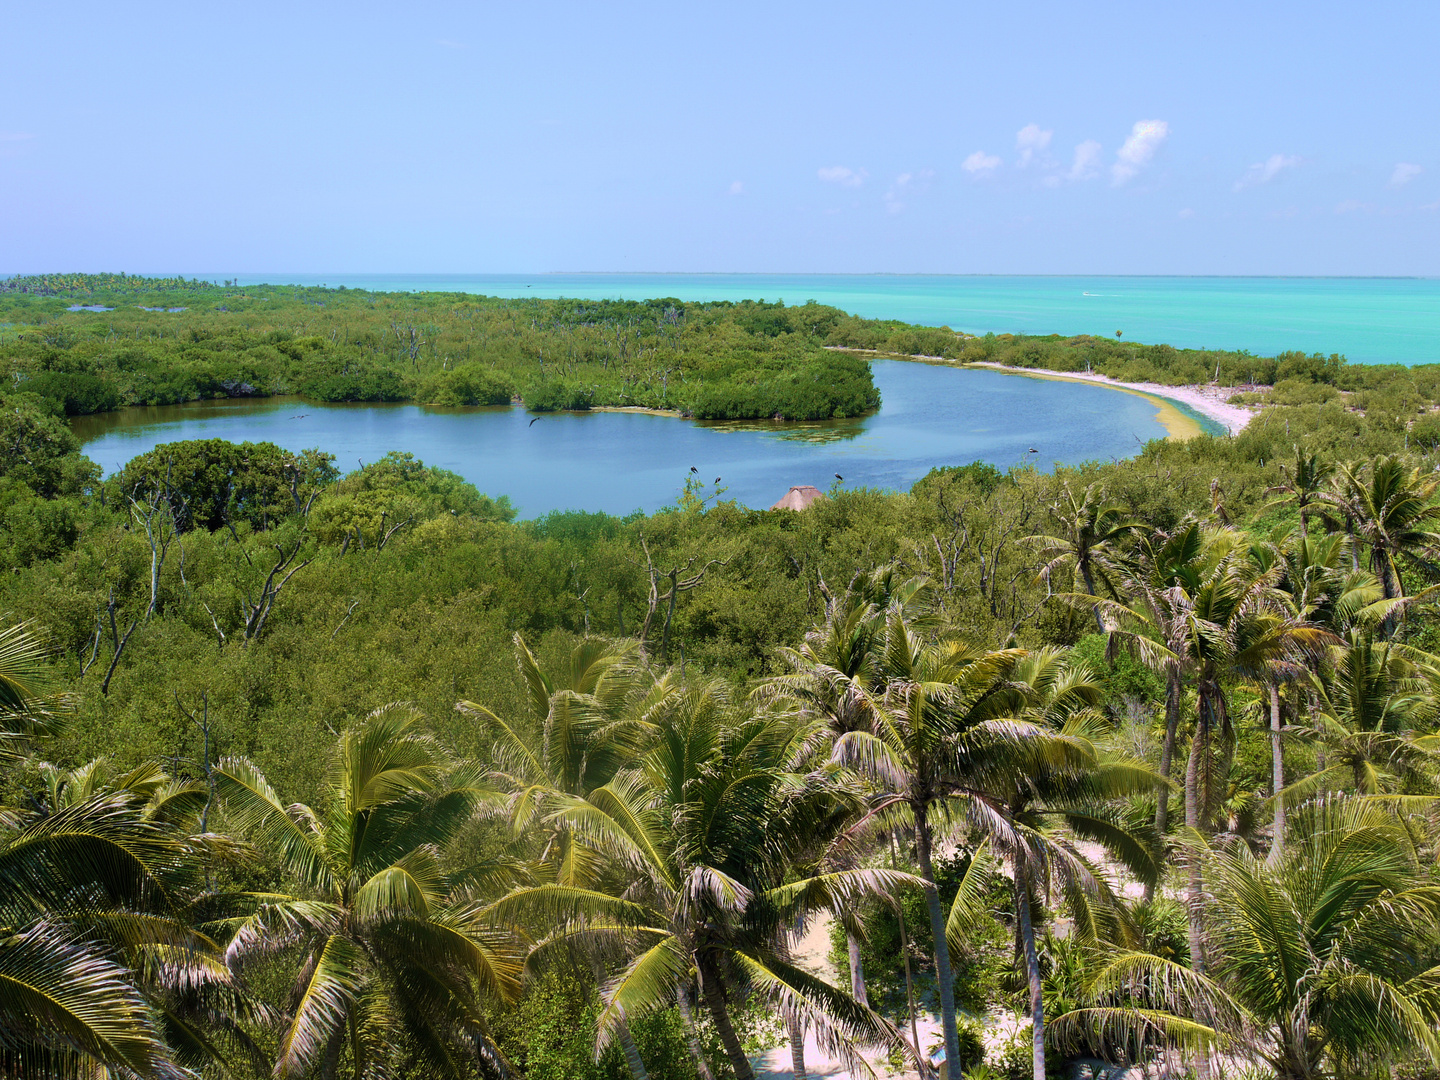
(624, 461)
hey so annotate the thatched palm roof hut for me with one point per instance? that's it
(798, 498)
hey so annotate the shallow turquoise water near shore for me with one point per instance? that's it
(1369, 320)
(620, 461)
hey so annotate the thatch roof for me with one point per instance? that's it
(798, 498)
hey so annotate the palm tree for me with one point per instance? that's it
(1317, 586)
(1221, 618)
(1371, 698)
(583, 725)
(1388, 504)
(927, 696)
(699, 838)
(1324, 959)
(110, 953)
(1030, 810)
(1302, 485)
(100, 961)
(1166, 565)
(830, 681)
(1088, 541)
(28, 707)
(78, 907)
(386, 940)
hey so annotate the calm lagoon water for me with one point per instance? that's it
(619, 462)
(1369, 320)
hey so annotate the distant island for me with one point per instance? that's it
(95, 342)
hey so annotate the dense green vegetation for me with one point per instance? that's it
(310, 774)
(162, 341)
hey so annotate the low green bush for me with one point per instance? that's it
(467, 385)
(78, 393)
(557, 397)
(369, 385)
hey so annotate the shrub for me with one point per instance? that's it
(550, 1035)
(557, 396)
(1425, 432)
(369, 385)
(79, 393)
(1295, 391)
(467, 385)
(210, 482)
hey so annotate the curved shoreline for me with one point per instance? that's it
(1167, 399)
(1233, 418)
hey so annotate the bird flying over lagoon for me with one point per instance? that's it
(532, 422)
(839, 477)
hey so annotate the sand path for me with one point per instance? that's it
(812, 953)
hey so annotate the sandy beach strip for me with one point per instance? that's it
(1208, 401)
(1211, 402)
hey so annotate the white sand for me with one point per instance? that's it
(1207, 400)
(1211, 401)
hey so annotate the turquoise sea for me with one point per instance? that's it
(1368, 320)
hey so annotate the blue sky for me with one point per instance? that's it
(1215, 138)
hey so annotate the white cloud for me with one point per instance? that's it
(1186, 214)
(842, 175)
(1352, 206)
(15, 136)
(1030, 141)
(1264, 171)
(1087, 161)
(1404, 173)
(737, 188)
(1145, 138)
(905, 185)
(980, 163)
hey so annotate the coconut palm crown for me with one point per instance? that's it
(386, 942)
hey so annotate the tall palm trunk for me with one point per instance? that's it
(1173, 692)
(1384, 567)
(1195, 889)
(857, 969)
(905, 954)
(943, 974)
(627, 1042)
(1032, 967)
(632, 1054)
(1167, 761)
(330, 1060)
(1277, 774)
(682, 999)
(1089, 580)
(797, 1048)
(1194, 898)
(720, 1014)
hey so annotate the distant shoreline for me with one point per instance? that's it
(1209, 402)
(1206, 400)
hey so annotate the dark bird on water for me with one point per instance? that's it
(1032, 450)
(532, 421)
(717, 479)
(839, 477)
(693, 469)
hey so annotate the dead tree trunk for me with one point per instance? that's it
(256, 611)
